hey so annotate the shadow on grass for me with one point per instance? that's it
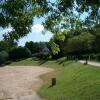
(34, 59)
(61, 61)
(64, 62)
(41, 62)
(51, 86)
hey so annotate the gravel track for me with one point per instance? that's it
(21, 82)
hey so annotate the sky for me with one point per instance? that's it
(35, 35)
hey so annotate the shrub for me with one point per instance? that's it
(19, 53)
(3, 57)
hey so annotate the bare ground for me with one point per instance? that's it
(21, 82)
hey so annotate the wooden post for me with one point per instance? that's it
(53, 82)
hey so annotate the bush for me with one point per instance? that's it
(3, 57)
(19, 53)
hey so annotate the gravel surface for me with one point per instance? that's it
(21, 82)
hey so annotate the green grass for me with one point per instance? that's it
(75, 81)
(25, 62)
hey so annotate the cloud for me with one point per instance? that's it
(38, 28)
(6, 30)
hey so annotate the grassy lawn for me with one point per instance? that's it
(75, 81)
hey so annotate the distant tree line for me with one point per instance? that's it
(11, 51)
(40, 50)
(74, 44)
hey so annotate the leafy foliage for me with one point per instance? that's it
(19, 14)
(61, 16)
(80, 44)
(76, 43)
(36, 47)
(3, 57)
(54, 47)
(19, 53)
(7, 45)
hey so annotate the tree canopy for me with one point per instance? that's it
(19, 14)
(73, 15)
(67, 14)
(60, 16)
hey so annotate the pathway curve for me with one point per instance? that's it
(21, 82)
(91, 63)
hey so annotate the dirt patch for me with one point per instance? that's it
(21, 82)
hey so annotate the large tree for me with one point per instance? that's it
(66, 14)
(62, 15)
(72, 15)
(19, 14)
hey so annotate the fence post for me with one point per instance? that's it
(53, 82)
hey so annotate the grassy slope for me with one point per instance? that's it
(74, 80)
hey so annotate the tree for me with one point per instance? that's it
(35, 47)
(95, 31)
(63, 15)
(60, 14)
(19, 14)
(7, 45)
(67, 16)
(31, 46)
(75, 43)
(19, 53)
(81, 44)
(67, 12)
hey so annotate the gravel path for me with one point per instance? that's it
(91, 63)
(21, 82)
